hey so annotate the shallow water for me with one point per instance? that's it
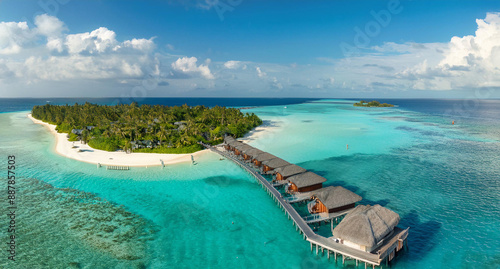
(442, 179)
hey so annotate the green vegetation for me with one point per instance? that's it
(372, 104)
(145, 128)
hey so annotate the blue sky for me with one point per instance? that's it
(249, 48)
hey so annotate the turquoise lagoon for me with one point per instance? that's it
(442, 179)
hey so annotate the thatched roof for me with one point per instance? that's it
(290, 170)
(366, 225)
(276, 163)
(243, 146)
(234, 143)
(252, 152)
(306, 179)
(228, 139)
(334, 197)
(264, 157)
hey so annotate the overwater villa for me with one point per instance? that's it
(332, 200)
(257, 161)
(251, 153)
(284, 172)
(366, 227)
(272, 164)
(238, 149)
(366, 234)
(232, 145)
(305, 182)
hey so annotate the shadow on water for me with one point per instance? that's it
(422, 132)
(382, 202)
(223, 181)
(422, 237)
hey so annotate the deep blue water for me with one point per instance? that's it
(23, 104)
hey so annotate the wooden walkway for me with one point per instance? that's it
(115, 167)
(308, 234)
(325, 216)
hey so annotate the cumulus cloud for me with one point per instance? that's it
(91, 55)
(188, 65)
(13, 35)
(49, 26)
(469, 61)
(260, 73)
(97, 41)
(232, 64)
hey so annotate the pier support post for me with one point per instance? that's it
(311, 246)
(357, 262)
(335, 253)
(328, 254)
(343, 259)
(316, 249)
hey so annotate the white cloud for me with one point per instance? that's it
(260, 73)
(97, 41)
(276, 84)
(188, 65)
(91, 55)
(140, 44)
(55, 44)
(49, 26)
(471, 61)
(232, 64)
(13, 35)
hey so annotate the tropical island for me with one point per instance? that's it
(145, 128)
(372, 104)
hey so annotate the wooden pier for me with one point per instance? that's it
(116, 167)
(384, 253)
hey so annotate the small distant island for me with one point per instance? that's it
(145, 128)
(372, 104)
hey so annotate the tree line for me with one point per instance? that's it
(146, 128)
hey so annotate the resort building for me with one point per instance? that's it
(332, 199)
(239, 148)
(366, 227)
(272, 164)
(262, 157)
(251, 153)
(232, 145)
(228, 139)
(304, 182)
(284, 172)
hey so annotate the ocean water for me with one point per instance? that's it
(442, 179)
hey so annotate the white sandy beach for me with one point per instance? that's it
(95, 156)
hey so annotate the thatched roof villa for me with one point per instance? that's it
(284, 172)
(234, 144)
(227, 140)
(332, 199)
(272, 164)
(257, 160)
(241, 147)
(304, 182)
(366, 227)
(249, 154)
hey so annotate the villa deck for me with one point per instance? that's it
(325, 216)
